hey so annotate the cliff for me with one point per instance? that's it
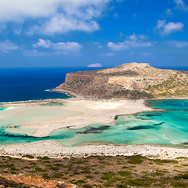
(131, 81)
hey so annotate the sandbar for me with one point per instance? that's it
(75, 113)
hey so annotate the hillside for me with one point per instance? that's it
(92, 172)
(128, 81)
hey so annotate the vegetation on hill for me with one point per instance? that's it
(96, 172)
(174, 86)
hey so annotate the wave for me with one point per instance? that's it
(11, 102)
(49, 90)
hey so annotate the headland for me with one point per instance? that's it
(128, 81)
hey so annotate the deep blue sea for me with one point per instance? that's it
(160, 128)
(21, 84)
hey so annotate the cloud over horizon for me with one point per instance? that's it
(132, 41)
(65, 46)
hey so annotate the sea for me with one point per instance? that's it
(166, 127)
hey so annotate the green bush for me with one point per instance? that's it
(107, 175)
(135, 159)
(124, 173)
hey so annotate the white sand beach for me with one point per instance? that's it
(75, 114)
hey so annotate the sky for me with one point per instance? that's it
(94, 33)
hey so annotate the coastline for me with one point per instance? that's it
(69, 93)
(54, 149)
(91, 112)
(84, 113)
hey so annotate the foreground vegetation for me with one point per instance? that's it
(120, 171)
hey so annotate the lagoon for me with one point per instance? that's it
(156, 127)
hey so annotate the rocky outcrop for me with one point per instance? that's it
(131, 81)
(31, 181)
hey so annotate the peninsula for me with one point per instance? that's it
(127, 81)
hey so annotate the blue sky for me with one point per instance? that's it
(58, 33)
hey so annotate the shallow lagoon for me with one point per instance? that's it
(161, 128)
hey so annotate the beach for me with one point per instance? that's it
(76, 113)
(56, 150)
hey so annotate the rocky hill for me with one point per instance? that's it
(130, 81)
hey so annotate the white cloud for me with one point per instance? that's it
(181, 5)
(7, 46)
(43, 43)
(62, 24)
(170, 27)
(62, 46)
(132, 41)
(178, 44)
(95, 65)
(54, 16)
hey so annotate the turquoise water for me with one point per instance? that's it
(168, 104)
(162, 128)
(2, 108)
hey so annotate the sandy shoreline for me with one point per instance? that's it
(81, 113)
(56, 150)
